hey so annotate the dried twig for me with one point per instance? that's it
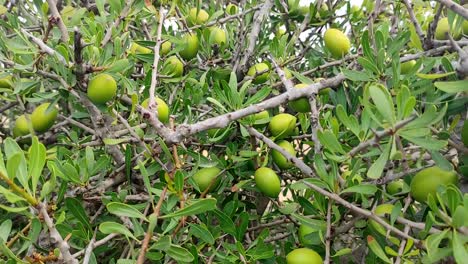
(58, 18)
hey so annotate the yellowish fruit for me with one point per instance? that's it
(205, 177)
(268, 182)
(443, 28)
(190, 44)
(464, 133)
(282, 125)
(21, 127)
(218, 37)
(281, 160)
(300, 105)
(6, 82)
(43, 118)
(303, 256)
(173, 67)
(407, 66)
(465, 27)
(303, 231)
(336, 42)
(428, 180)
(102, 88)
(163, 109)
(136, 48)
(258, 68)
(232, 9)
(197, 17)
(166, 47)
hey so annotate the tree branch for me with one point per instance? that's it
(462, 11)
(56, 15)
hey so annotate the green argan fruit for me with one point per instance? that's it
(261, 118)
(281, 160)
(395, 187)
(43, 118)
(173, 67)
(303, 256)
(465, 27)
(464, 133)
(197, 17)
(102, 88)
(337, 42)
(190, 50)
(6, 82)
(232, 9)
(428, 180)
(282, 125)
(257, 68)
(268, 182)
(163, 109)
(166, 47)
(300, 105)
(205, 176)
(218, 37)
(407, 66)
(21, 127)
(443, 29)
(135, 48)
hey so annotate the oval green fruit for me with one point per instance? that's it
(218, 37)
(303, 231)
(282, 125)
(102, 88)
(465, 27)
(303, 256)
(43, 118)
(337, 42)
(166, 47)
(464, 133)
(407, 66)
(281, 161)
(173, 67)
(268, 182)
(428, 180)
(136, 48)
(190, 44)
(443, 28)
(163, 109)
(300, 105)
(6, 82)
(232, 9)
(21, 127)
(261, 118)
(258, 68)
(205, 177)
(395, 187)
(197, 16)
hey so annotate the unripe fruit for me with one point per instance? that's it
(303, 231)
(218, 37)
(281, 160)
(136, 48)
(428, 180)
(464, 133)
(282, 125)
(407, 66)
(395, 187)
(197, 17)
(232, 9)
(443, 29)
(166, 47)
(337, 42)
(261, 119)
(21, 127)
(173, 67)
(190, 42)
(465, 27)
(303, 256)
(42, 119)
(102, 88)
(300, 105)
(258, 68)
(163, 109)
(268, 182)
(5, 82)
(205, 176)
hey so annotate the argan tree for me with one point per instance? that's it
(246, 131)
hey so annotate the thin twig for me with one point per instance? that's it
(462, 11)
(58, 18)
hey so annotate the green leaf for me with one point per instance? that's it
(357, 76)
(13, 209)
(179, 253)
(113, 227)
(329, 141)
(452, 87)
(17, 169)
(37, 158)
(121, 209)
(433, 76)
(114, 141)
(8, 253)
(366, 189)
(342, 252)
(377, 250)
(5, 229)
(202, 233)
(414, 39)
(383, 102)
(375, 171)
(197, 207)
(76, 209)
(312, 223)
(459, 249)
(226, 223)
(163, 243)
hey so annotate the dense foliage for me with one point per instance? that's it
(243, 131)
